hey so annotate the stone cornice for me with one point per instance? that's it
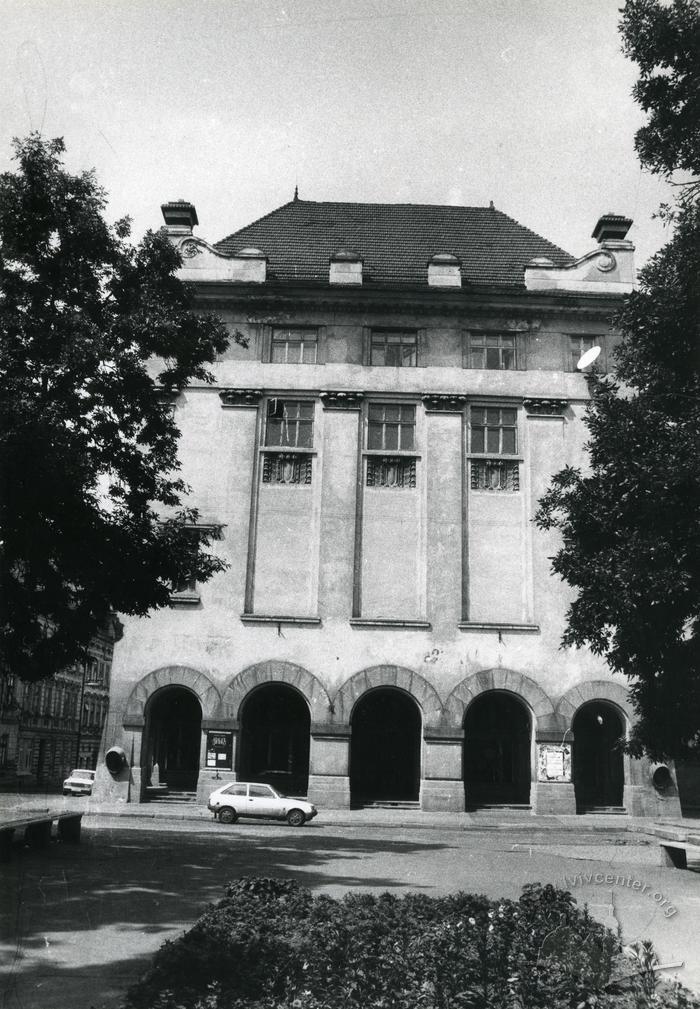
(240, 398)
(341, 400)
(444, 402)
(448, 302)
(544, 407)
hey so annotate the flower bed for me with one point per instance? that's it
(270, 944)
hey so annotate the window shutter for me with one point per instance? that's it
(321, 346)
(466, 346)
(522, 344)
(266, 354)
(366, 344)
(422, 348)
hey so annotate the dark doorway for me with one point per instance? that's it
(174, 732)
(497, 752)
(385, 748)
(275, 732)
(598, 768)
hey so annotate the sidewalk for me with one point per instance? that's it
(412, 819)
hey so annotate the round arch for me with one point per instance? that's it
(407, 680)
(594, 690)
(506, 680)
(171, 676)
(304, 682)
(497, 749)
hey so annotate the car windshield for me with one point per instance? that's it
(84, 775)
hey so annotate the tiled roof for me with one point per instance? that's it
(394, 240)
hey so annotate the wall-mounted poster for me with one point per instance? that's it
(220, 750)
(553, 762)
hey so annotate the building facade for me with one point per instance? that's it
(388, 629)
(52, 726)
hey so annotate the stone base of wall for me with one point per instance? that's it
(124, 788)
(442, 795)
(209, 781)
(329, 790)
(644, 800)
(553, 798)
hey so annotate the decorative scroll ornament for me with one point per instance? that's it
(189, 249)
(606, 262)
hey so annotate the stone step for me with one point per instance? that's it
(166, 795)
(386, 804)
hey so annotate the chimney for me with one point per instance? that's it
(180, 217)
(611, 227)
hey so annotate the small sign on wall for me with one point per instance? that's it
(220, 750)
(553, 762)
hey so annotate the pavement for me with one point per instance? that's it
(79, 923)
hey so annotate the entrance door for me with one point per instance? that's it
(385, 747)
(598, 768)
(275, 733)
(497, 751)
(174, 732)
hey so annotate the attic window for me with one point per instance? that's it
(444, 271)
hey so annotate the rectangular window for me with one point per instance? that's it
(492, 351)
(494, 430)
(391, 427)
(494, 435)
(186, 589)
(578, 345)
(394, 349)
(294, 345)
(290, 424)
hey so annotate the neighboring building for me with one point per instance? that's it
(49, 727)
(388, 630)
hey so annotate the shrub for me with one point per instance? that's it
(268, 944)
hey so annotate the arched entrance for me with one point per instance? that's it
(275, 733)
(385, 748)
(598, 768)
(173, 738)
(497, 734)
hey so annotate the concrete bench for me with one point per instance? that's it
(37, 829)
(676, 853)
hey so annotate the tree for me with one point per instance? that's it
(664, 40)
(97, 335)
(629, 525)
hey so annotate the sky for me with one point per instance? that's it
(232, 103)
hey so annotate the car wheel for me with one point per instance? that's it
(296, 818)
(66, 792)
(227, 815)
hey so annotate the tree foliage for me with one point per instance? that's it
(664, 40)
(629, 525)
(96, 335)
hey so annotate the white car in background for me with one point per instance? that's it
(79, 782)
(244, 798)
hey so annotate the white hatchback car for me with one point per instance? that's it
(79, 782)
(242, 798)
